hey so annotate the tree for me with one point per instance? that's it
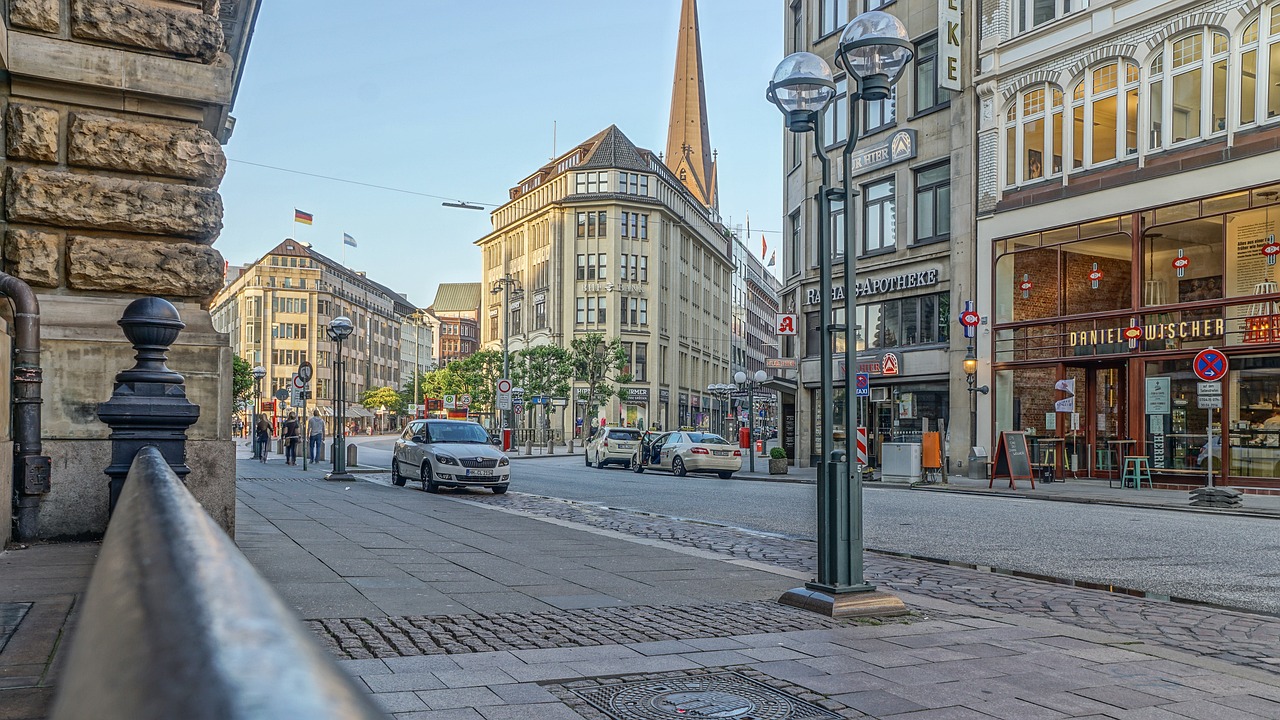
(545, 371)
(383, 397)
(479, 374)
(594, 361)
(242, 383)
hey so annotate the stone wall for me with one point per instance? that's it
(111, 171)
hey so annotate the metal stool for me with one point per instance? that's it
(1137, 470)
(1102, 460)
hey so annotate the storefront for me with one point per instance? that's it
(1096, 326)
(635, 407)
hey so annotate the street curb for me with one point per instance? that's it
(1242, 512)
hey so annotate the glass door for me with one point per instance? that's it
(1108, 394)
(1075, 431)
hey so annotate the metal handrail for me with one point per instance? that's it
(178, 624)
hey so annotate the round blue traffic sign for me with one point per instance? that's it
(1210, 365)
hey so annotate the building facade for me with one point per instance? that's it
(454, 318)
(417, 348)
(605, 239)
(1128, 209)
(277, 312)
(913, 172)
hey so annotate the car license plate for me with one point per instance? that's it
(479, 473)
(722, 453)
(625, 446)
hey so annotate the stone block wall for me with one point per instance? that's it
(111, 168)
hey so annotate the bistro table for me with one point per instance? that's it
(1115, 449)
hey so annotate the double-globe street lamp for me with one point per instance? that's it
(258, 372)
(721, 391)
(505, 285)
(751, 383)
(874, 50)
(340, 328)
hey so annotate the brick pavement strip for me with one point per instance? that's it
(1237, 637)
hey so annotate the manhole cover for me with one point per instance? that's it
(10, 615)
(722, 695)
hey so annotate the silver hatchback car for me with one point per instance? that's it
(612, 445)
(449, 453)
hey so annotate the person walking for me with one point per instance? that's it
(262, 434)
(292, 435)
(315, 435)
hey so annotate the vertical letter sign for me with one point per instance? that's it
(950, 33)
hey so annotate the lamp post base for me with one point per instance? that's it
(863, 603)
(343, 476)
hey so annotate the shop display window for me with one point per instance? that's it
(1098, 274)
(1176, 437)
(1253, 399)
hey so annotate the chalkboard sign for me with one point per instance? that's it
(1012, 460)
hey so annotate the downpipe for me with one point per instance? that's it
(31, 470)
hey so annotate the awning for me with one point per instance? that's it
(355, 411)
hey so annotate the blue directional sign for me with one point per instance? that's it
(862, 385)
(1210, 365)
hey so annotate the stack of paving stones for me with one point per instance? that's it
(1215, 497)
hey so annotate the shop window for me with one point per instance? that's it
(1188, 89)
(1097, 274)
(1182, 262)
(1176, 437)
(1028, 286)
(1254, 418)
(1034, 135)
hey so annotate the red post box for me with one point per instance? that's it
(744, 437)
(506, 439)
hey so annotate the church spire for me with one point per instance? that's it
(688, 142)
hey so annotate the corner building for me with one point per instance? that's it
(913, 172)
(606, 239)
(1128, 209)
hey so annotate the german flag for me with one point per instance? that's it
(302, 217)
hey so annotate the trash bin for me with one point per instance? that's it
(901, 462)
(978, 463)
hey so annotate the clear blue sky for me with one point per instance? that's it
(458, 100)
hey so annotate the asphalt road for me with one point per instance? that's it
(1232, 561)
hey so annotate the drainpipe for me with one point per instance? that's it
(30, 468)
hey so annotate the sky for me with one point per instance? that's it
(458, 100)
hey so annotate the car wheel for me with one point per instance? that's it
(396, 478)
(677, 468)
(635, 465)
(499, 489)
(427, 483)
(587, 455)
(725, 474)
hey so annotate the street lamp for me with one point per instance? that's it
(874, 49)
(721, 392)
(340, 328)
(971, 371)
(259, 372)
(505, 285)
(751, 383)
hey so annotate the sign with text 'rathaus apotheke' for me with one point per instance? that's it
(880, 285)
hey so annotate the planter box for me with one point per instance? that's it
(778, 466)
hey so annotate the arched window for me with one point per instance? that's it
(1033, 135)
(1104, 115)
(1188, 89)
(1260, 68)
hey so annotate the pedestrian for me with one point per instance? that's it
(262, 433)
(291, 437)
(315, 435)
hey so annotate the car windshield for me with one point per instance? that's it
(456, 432)
(624, 434)
(707, 439)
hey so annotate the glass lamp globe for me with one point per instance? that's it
(740, 377)
(875, 48)
(341, 327)
(761, 376)
(802, 87)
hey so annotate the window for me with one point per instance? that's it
(640, 368)
(877, 4)
(837, 228)
(591, 310)
(880, 114)
(797, 242)
(644, 227)
(880, 216)
(834, 15)
(1031, 14)
(582, 267)
(797, 28)
(515, 321)
(928, 94)
(540, 314)
(1188, 89)
(633, 183)
(921, 320)
(835, 121)
(644, 311)
(582, 311)
(593, 182)
(1104, 115)
(933, 203)
(600, 266)
(644, 268)
(1034, 128)
(592, 224)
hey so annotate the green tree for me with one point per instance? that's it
(598, 364)
(543, 370)
(383, 397)
(242, 383)
(479, 374)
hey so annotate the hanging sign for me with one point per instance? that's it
(950, 36)
(1095, 276)
(1025, 286)
(1181, 263)
(787, 324)
(969, 319)
(1271, 249)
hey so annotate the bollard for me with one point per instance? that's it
(528, 446)
(352, 454)
(551, 447)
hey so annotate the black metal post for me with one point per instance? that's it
(149, 406)
(340, 473)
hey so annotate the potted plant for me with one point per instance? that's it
(777, 461)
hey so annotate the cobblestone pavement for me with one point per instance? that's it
(363, 638)
(1236, 637)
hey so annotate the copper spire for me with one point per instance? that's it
(688, 141)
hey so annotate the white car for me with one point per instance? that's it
(612, 445)
(449, 453)
(685, 452)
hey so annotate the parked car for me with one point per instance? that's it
(612, 445)
(449, 453)
(689, 451)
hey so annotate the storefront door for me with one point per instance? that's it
(1095, 436)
